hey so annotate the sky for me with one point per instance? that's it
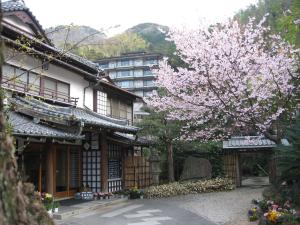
(104, 14)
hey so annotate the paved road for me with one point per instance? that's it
(139, 212)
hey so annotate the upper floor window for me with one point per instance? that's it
(123, 73)
(125, 62)
(119, 109)
(148, 83)
(150, 61)
(103, 65)
(125, 84)
(36, 84)
(138, 62)
(101, 103)
(147, 73)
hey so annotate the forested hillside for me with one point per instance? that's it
(73, 34)
(282, 17)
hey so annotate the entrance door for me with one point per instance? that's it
(34, 169)
(62, 170)
(67, 170)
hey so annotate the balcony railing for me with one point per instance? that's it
(36, 90)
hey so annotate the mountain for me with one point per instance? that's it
(74, 34)
(151, 32)
(155, 35)
(148, 37)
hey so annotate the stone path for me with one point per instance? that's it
(228, 208)
(218, 208)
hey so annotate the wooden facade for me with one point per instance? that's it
(232, 164)
(137, 172)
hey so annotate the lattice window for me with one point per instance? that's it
(114, 167)
(101, 102)
(91, 157)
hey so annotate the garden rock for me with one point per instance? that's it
(196, 168)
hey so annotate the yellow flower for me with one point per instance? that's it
(48, 195)
(273, 216)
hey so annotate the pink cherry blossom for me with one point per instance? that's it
(236, 81)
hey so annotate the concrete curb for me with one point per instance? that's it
(64, 215)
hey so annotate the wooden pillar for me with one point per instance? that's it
(272, 169)
(50, 170)
(124, 150)
(104, 161)
(238, 170)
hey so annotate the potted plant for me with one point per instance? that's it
(47, 200)
(134, 193)
(48, 207)
(55, 206)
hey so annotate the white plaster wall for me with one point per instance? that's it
(76, 81)
(89, 98)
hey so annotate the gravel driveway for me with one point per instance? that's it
(227, 208)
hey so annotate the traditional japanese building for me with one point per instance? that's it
(60, 110)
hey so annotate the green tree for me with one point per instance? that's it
(289, 155)
(289, 163)
(282, 15)
(163, 132)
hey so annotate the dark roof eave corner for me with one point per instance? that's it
(17, 5)
(121, 89)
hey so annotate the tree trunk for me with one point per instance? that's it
(170, 162)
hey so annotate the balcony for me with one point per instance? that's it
(37, 90)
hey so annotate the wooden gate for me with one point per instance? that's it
(232, 167)
(137, 172)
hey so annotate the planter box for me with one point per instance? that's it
(84, 195)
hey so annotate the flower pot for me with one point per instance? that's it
(50, 212)
(55, 210)
(141, 197)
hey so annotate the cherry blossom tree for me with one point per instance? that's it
(239, 80)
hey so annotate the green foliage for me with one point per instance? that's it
(115, 46)
(156, 35)
(135, 193)
(159, 128)
(289, 155)
(211, 151)
(281, 18)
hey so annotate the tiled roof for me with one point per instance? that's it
(24, 125)
(130, 139)
(248, 142)
(11, 6)
(83, 60)
(55, 113)
(16, 5)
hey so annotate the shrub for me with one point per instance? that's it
(135, 193)
(189, 187)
